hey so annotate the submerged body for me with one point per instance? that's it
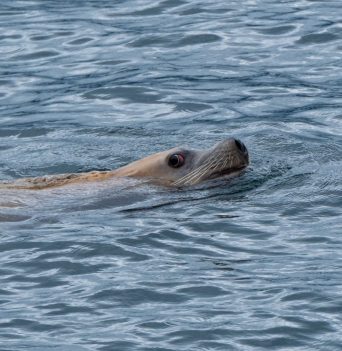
(176, 167)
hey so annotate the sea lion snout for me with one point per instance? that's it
(227, 158)
(241, 146)
(234, 147)
(242, 149)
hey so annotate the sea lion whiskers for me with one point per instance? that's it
(213, 166)
(222, 161)
(193, 173)
(198, 172)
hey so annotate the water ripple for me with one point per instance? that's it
(250, 263)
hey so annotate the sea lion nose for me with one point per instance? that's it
(240, 146)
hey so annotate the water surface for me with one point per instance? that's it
(251, 264)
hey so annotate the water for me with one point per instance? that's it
(253, 264)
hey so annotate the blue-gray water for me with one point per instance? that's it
(254, 264)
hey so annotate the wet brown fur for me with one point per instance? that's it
(222, 158)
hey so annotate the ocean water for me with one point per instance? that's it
(250, 264)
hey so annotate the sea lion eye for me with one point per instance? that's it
(176, 160)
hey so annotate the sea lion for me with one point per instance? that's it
(177, 167)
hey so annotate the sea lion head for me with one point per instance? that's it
(181, 166)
